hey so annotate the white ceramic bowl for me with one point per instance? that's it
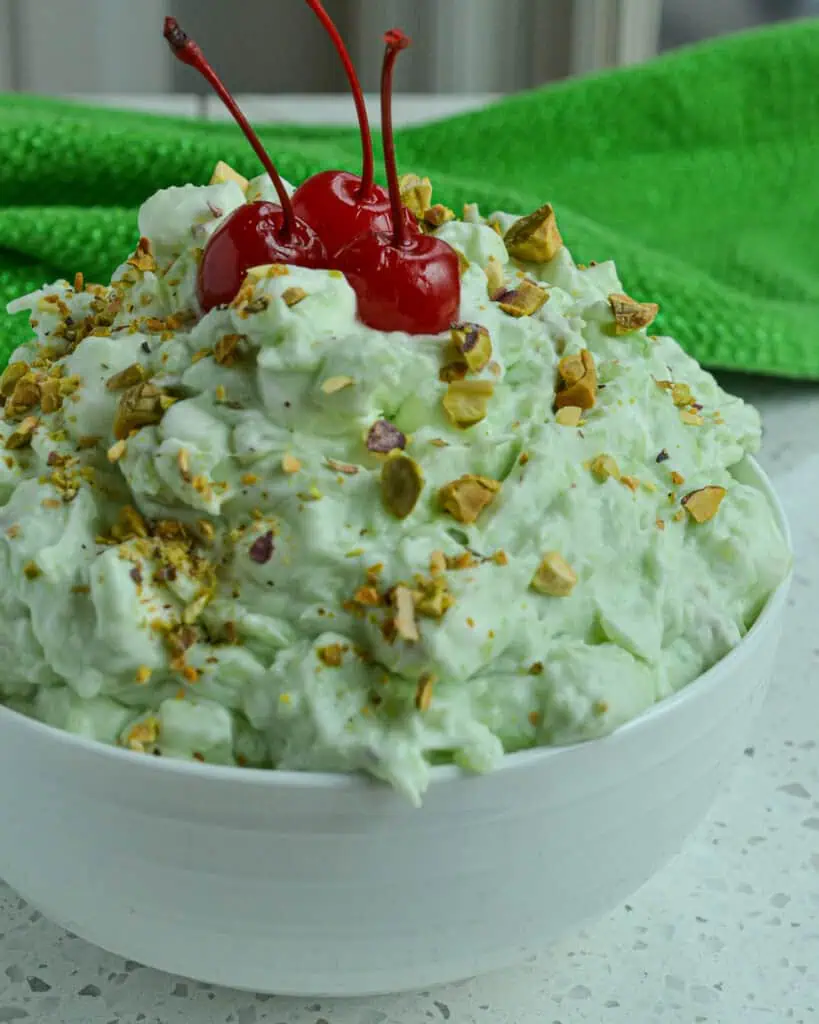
(315, 884)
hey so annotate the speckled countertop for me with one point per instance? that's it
(728, 933)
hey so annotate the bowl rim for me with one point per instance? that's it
(288, 778)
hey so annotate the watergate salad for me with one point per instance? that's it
(273, 536)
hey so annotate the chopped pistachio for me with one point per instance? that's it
(677, 478)
(368, 596)
(572, 368)
(144, 734)
(437, 215)
(423, 693)
(535, 238)
(183, 461)
(334, 384)
(31, 570)
(129, 524)
(342, 467)
(465, 560)
(577, 381)
(383, 437)
(437, 563)
(704, 503)
(524, 300)
(140, 406)
(290, 464)
(433, 598)
(332, 655)
(116, 451)
(193, 610)
(681, 394)
(630, 315)
(143, 258)
(12, 373)
(127, 378)
(223, 173)
(465, 401)
(21, 437)
(293, 296)
(465, 498)
(265, 271)
(50, 397)
(405, 625)
(313, 494)
(416, 194)
(207, 531)
(474, 343)
(631, 482)
(569, 415)
(554, 576)
(26, 394)
(456, 370)
(401, 484)
(257, 305)
(225, 350)
(603, 467)
(495, 277)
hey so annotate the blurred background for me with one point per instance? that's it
(275, 46)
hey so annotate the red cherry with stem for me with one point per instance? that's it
(256, 233)
(403, 281)
(340, 205)
(252, 236)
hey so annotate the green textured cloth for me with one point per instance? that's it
(698, 173)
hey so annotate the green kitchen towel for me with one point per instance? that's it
(698, 173)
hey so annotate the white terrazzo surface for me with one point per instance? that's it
(726, 934)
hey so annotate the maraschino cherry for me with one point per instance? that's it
(256, 233)
(340, 205)
(404, 281)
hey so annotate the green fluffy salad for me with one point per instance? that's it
(271, 536)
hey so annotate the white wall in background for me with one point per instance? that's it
(6, 76)
(90, 45)
(638, 32)
(613, 33)
(461, 46)
(467, 46)
(274, 46)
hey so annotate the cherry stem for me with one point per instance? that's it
(367, 169)
(187, 51)
(396, 41)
